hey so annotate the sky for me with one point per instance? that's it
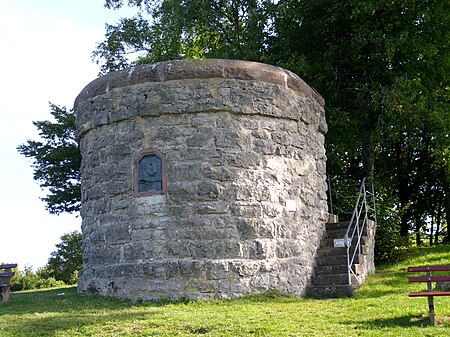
(45, 56)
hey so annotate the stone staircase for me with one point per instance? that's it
(330, 278)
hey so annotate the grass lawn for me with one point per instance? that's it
(380, 308)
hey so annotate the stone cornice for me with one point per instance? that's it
(198, 69)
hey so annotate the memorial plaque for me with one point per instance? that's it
(150, 173)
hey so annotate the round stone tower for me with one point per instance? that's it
(200, 179)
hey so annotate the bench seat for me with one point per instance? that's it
(429, 293)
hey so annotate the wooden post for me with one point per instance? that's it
(5, 294)
(430, 300)
(5, 280)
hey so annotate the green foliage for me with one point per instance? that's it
(56, 161)
(357, 54)
(382, 68)
(28, 280)
(65, 263)
(131, 36)
(168, 29)
(390, 246)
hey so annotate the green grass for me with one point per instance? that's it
(380, 308)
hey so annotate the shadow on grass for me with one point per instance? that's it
(394, 322)
(52, 312)
(77, 324)
(67, 299)
(57, 300)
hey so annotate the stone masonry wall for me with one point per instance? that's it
(239, 140)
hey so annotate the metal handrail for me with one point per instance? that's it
(358, 221)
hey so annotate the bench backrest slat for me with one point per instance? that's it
(429, 279)
(428, 268)
(8, 266)
(7, 274)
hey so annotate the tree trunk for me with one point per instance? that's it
(447, 214)
(438, 225)
(404, 227)
(431, 231)
(417, 229)
(403, 189)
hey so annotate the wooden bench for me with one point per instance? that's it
(429, 279)
(5, 280)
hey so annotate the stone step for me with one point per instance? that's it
(338, 251)
(329, 291)
(331, 269)
(328, 260)
(337, 269)
(336, 225)
(339, 233)
(331, 260)
(329, 242)
(326, 251)
(329, 280)
(322, 251)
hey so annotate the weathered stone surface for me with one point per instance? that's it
(239, 139)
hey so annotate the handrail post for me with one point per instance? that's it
(359, 220)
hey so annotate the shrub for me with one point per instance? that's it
(28, 280)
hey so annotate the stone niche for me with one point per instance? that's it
(200, 179)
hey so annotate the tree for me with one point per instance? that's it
(359, 53)
(65, 263)
(56, 161)
(382, 68)
(168, 29)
